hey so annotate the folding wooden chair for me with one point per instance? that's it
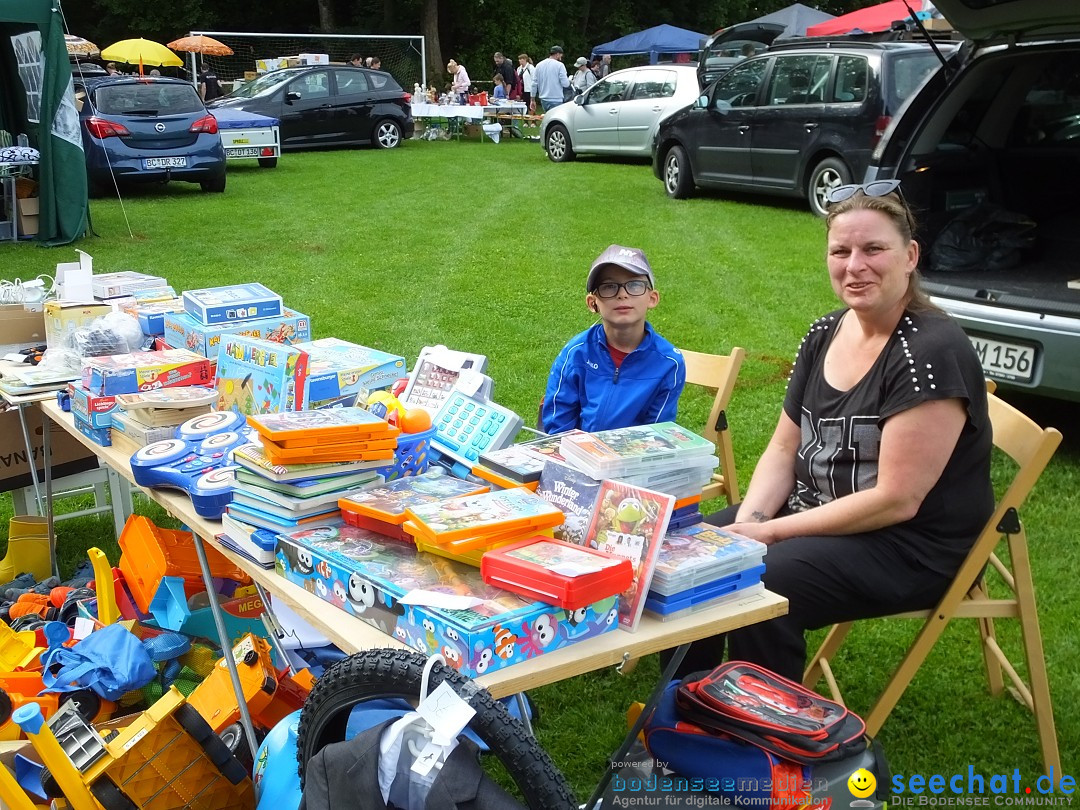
(1030, 447)
(718, 372)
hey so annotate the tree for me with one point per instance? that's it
(326, 16)
(429, 28)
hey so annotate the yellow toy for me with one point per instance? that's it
(27, 550)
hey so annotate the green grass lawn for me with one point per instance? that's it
(485, 248)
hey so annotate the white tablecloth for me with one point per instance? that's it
(462, 111)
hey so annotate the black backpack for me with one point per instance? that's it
(753, 704)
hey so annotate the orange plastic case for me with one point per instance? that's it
(562, 574)
(377, 449)
(295, 429)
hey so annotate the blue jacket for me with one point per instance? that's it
(586, 391)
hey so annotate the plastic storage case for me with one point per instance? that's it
(555, 572)
(700, 554)
(411, 457)
(707, 591)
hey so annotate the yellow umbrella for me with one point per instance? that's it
(77, 46)
(141, 52)
(201, 44)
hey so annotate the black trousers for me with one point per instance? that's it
(826, 579)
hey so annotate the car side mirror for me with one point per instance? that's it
(579, 99)
(702, 102)
(291, 96)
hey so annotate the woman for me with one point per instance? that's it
(583, 77)
(526, 71)
(876, 481)
(459, 87)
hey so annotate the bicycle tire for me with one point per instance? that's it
(397, 673)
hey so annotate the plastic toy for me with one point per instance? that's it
(28, 549)
(198, 461)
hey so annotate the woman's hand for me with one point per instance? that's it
(762, 532)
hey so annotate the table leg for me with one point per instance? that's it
(30, 455)
(226, 646)
(639, 723)
(46, 450)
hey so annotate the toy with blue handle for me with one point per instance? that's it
(198, 460)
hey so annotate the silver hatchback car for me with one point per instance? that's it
(619, 115)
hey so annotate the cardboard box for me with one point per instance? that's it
(69, 455)
(314, 58)
(182, 331)
(64, 317)
(97, 435)
(143, 371)
(235, 302)
(342, 373)
(356, 571)
(20, 328)
(97, 411)
(28, 216)
(270, 63)
(126, 282)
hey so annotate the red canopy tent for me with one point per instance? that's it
(869, 20)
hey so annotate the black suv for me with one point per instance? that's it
(795, 120)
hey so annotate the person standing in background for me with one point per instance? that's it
(605, 66)
(459, 86)
(504, 69)
(527, 72)
(209, 89)
(551, 81)
(583, 77)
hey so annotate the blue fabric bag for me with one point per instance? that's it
(109, 661)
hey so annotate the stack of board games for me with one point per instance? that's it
(153, 416)
(305, 438)
(341, 373)
(665, 457)
(380, 507)
(562, 574)
(520, 464)
(258, 376)
(701, 566)
(457, 525)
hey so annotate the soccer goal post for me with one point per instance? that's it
(402, 56)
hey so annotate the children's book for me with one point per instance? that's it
(575, 493)
(253, 499)
(265, 520)
(307, 488)
(252, 458)
(631, 522)
(525, 462)
(624, 450)
(489, 513)
(252, 542)
(330, 426)
(388, 502)
(258, 376)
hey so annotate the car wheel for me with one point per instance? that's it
(215, 184)
(678, 177)
(387, 134)
(827, 175)
(268, 163)
(557, 144)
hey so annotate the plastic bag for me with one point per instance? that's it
(110, 661)
(985, 237)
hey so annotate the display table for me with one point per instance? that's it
(469, 112)
(352, 635)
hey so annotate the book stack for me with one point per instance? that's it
(472, 523)
(521, 464)
(702, 566)
(380, 507)
(153, 416)
(20, 381)
(664, 457)
(336, 434)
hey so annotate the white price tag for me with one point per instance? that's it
(446, 713)
(438, 599)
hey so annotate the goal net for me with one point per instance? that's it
(402, 56)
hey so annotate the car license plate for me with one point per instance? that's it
(1006, 361)
(242, 151)
(165, 163)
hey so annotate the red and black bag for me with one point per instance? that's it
(753, 704)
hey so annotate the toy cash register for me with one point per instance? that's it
(469, 424)
(437, 370)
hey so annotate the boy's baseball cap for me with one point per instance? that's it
(556, 49)
(630, 259)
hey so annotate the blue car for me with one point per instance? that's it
(148, 129)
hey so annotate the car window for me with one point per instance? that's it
(739, 86)
(907, 73)
(382, 81)
(613, 88)
(654, 84)
(799, 79)
(851, 72)
(350, 82)
(266, 83)
(151, 98)
(311, 85)
(1049, 115)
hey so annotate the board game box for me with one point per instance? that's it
(258, 376)
(142, 371)
(186, 332)
(344, 373)
(236, 302)
(430, 603)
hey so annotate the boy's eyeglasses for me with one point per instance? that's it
(610, 289)
(876, 188)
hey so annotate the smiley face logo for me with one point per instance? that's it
(861, 783)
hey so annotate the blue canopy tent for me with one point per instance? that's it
(653, 41)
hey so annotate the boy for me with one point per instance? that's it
(619, 372)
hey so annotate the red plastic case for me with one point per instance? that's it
(562, 574)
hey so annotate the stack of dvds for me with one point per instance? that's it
(664, 457)
(380, 507)
(702, 566)
(521, 464)
(461, 527)
(303, 491)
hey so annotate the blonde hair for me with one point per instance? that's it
(892, 206)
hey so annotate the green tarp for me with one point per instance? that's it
(36, 99)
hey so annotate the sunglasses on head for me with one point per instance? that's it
(876, 188)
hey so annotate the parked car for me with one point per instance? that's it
(328, 106)
(1002, 129)
(795, 120)
(729, 46)
(143, 129)
(619, 114)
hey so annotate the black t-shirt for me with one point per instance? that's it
(213, 89)
(506, 70)
(927, 357)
